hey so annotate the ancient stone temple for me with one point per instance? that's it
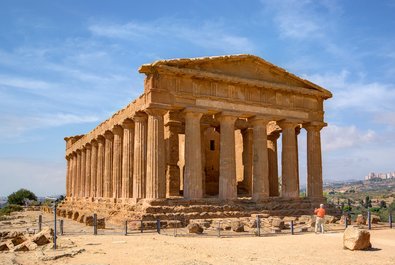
(204, 132)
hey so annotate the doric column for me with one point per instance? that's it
(83, 171)
(260, 169)
(93, 166)
(88, 170)
(273, 163)
(68, 166)
(289, 160)
(117, 162)
(139, 154)
(247, 135)
(172, 129)
(75, 174)
(193, 188)
(203, 128)
(100, 166)
(78, 186)
(314, 159)
(297, 132)
(127, 158)
(227, 157)
(156, 177)
(108, 157)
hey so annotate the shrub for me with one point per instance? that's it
(10, 208)
(19, 197)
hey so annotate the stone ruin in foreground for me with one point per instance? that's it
(201, 142)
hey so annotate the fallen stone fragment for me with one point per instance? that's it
(278, 223)
(237, 226)
(57, 255)
(361, 220)
(18, 240)
(21, 247)
(4, 246)
(195, 228)
(356, 239)
(44, 237)
(374, 219)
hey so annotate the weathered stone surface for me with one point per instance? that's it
(4, 246)
(44, 237)
(237, 226)
(360, 220)
(195, 228)
(278, 223)
(356, 239)
(343, 220)
(21, 247)
(101, 223)
(89, 220)
(330, 219)
(18, 240)
(375, 219)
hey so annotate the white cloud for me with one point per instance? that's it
(210, 35)
(13, 126)
(360, 95)
(299, 19)
(24, 83)
(336, 137)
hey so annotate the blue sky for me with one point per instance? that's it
(67, 65)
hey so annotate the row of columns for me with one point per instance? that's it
(259, 158)
(126, 162)
(129, 161)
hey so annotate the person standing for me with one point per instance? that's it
(320, 218)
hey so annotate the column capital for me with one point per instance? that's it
(314, 126)
(140, 116)
(156, 111)
(227, 116)
(78, 151)
(108, 135)
(273, 136)
(117, 130)
(259, 119)
(128, 124)
(100, 139)
(194, 110)
(288, 124)
(94, 142)
(88, 146)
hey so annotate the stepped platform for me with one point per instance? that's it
(170, 209)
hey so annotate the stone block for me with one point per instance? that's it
(18, 240)
(4, 246)
(237, 226)
(356, 239)
(361, 220)
(195, 228)
(278, 223)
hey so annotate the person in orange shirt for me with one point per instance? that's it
(320, 218)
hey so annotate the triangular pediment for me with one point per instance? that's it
(245, 66)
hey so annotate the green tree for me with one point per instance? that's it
(19, 197)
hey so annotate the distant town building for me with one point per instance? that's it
(372, 175)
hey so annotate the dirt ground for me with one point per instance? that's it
(82, 247)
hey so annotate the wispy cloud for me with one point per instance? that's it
(210, 35)
(336, 137)
(299, 19)
(356, 94)
(13, 126)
